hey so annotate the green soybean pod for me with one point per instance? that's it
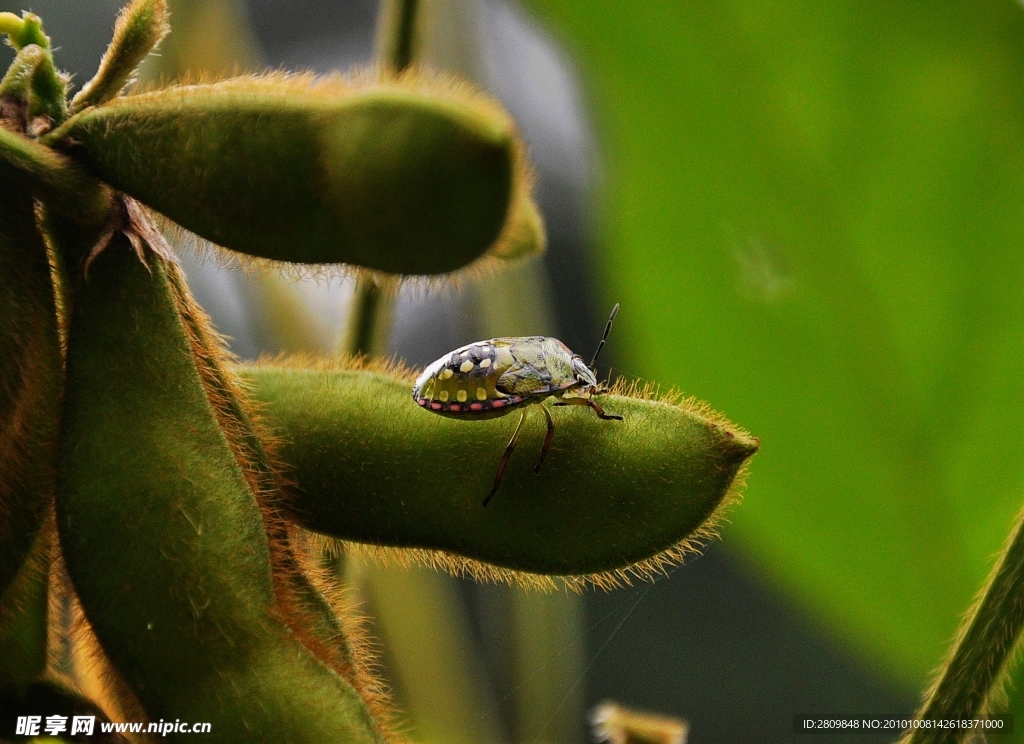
(162, 534)
(402, 177)
(370, 466)
(31, 377)
(312, 606)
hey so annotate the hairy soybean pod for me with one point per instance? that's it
(311, 612)
(162, 534)
(371, 467)
(31, 377)
(388, 176)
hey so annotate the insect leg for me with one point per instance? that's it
(504, 459)
(600, 412)
(547, 439)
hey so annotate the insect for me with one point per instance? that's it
(492, 378)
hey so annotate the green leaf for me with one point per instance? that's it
(815, 220)
(405, 177)
(371, 466)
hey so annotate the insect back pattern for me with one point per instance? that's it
(488, 379)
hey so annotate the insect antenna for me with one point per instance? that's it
(607, 330)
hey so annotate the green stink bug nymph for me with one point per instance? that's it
(490, 378)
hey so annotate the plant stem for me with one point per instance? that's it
(370, 306)
(369, 309)
(402, 52)
(972, 676)
(23, 31)
(10, 24)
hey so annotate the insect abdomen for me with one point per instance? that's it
(464, 382)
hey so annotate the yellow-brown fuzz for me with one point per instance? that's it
(255, 451)
(461, 566)
(58, 275)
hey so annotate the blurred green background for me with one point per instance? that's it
(812, 214)
(815, 214)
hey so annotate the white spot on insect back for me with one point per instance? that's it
(485, 363)
(466, 366)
